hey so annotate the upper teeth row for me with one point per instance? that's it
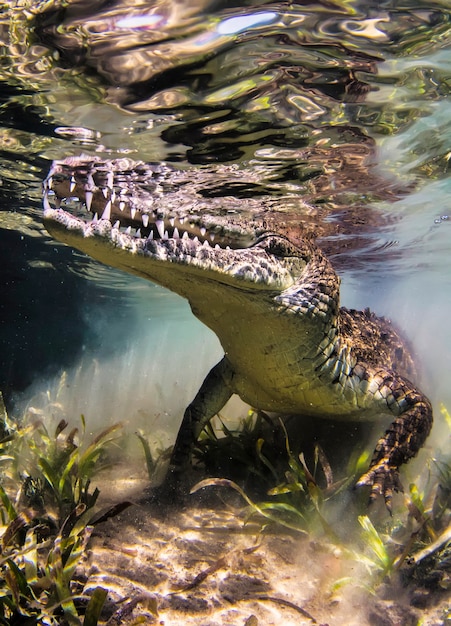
(159, 223)
(165, 235)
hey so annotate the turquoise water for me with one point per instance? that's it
(345, 104)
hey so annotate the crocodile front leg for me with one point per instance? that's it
(215, 391)
(402, 440)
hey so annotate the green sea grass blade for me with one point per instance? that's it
(95, 606)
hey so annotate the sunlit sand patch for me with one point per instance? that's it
(204, 566)
(199, 564)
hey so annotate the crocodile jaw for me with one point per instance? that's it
(151, 200)
(177, 235)
(169, 261)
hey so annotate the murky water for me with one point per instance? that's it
(343, 104)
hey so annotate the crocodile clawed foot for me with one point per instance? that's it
(383, 479)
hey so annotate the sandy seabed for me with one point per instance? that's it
(203, 565)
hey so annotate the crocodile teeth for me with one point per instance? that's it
(160, 227)
(212, 237)
(205, 244)
(203, 231)
(166, 235)
(117, 224)
(182, 220)
(72, 184)
(106, 215)
(105, 192)
(90, 180)
(88, 199)
(128, 230)
(176, 234)
(145, 220)
(172, 221)
(110, 179)
(121, 205)
(185, 236)
(150, 235)
(138, 233)
(49, 182)
(133, 213)
(95, 218)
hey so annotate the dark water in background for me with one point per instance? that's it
(344, 103)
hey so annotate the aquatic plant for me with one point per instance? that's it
(45, 503)
(238, 451)
(304, 500)
(261, 446)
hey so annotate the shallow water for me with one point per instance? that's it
(344, 104)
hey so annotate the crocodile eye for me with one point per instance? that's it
(279, 246)
(281, 249)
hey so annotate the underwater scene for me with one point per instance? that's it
(225, 313)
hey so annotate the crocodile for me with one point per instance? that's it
(288, 346)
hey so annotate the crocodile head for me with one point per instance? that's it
(128, 216)
(155, 200)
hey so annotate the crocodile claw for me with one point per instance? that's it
(383, 479)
